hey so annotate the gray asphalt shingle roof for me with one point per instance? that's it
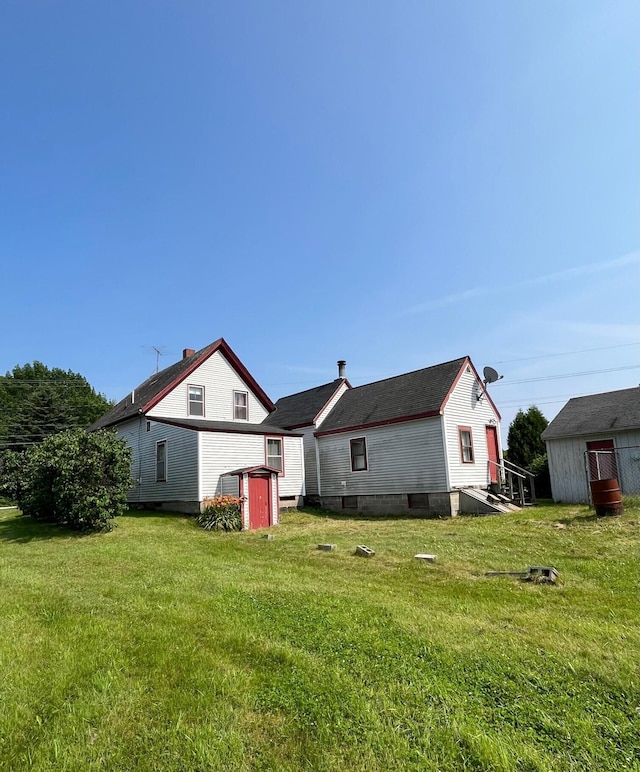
(300, 409)
(411, 394)
(595, 413)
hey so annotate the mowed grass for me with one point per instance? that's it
(163, 647)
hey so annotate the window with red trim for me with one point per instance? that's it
(465, 436)
(274, 453)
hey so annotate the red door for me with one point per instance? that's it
(259, 502)
(493, 452)
(602, 465)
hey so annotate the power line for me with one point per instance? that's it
(566, 375)
(566, 353)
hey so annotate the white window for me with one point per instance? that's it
(196, 400)
(161, 461)
(274, 453)
(240, 406)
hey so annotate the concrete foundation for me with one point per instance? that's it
(444, 503)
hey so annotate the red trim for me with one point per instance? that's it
(222, 346)
(468, 362)
(260, 469)
(266, 455)
(386, 422)
(473, 452)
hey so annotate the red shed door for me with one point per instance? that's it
(602, 460)
(259, 502)
(494, 454)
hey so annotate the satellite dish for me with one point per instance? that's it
(490, 375)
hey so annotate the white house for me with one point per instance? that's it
(424, 442)
(595, 437)
(197, 429)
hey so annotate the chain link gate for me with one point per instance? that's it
(621, 464)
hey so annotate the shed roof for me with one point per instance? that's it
(417, 394)
(610, 411)
(158, 385)
(301, 409)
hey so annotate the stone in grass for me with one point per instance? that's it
(364, 552)
(327, 547)
(268, 536)
(424, 558)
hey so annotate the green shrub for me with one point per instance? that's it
(221, 513)
(76, 479)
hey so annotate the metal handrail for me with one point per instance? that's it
(507, 476)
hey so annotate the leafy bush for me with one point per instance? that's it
(220, 513)
(11, 463)
(76, 479)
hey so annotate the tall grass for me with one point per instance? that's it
(161, 646)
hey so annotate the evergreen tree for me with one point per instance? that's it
(37, 401)
(524, 440)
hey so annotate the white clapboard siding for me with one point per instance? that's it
(310, 466)
(182, 461)
(219, 380)
(291, 483)
(567, 464)
(401, 458)
(222, 452)
(463, 408)
(331, 403)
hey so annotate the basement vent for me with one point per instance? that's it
(418, 500)
(349, 502)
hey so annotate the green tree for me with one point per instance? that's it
(37, 401)
(524, 440)
(75, 478)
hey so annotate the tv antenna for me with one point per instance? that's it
(490, 376)
(159, 351)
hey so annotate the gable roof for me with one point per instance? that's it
(158, 385)
(595, 413)
(301, 409)
(419, 394)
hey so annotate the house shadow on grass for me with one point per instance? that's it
(21, 528)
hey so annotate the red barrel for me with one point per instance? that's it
(606, 496)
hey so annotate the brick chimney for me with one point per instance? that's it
(187, 352)
(342, 368)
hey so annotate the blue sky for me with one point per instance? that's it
(392, 183)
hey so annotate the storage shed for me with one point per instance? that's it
(595, 437)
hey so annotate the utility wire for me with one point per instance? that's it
(566, 375)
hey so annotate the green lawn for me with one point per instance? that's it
(159, 646)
